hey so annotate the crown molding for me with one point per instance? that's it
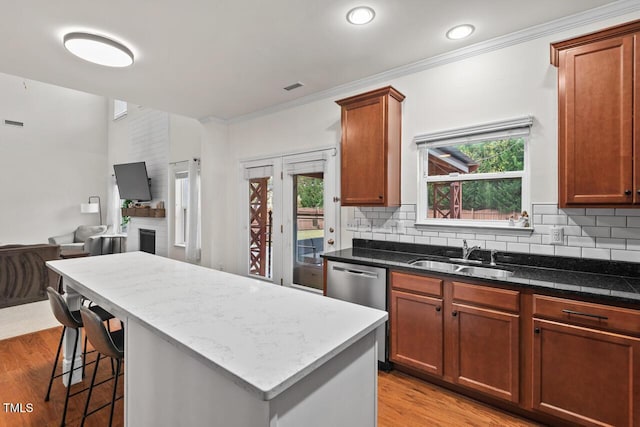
(601, 13)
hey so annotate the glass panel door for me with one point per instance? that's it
(308, 233)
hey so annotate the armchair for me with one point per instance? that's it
(85, 237)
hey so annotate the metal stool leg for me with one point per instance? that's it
(73, 359)
(93, 380)
(55, 364)
(115, 387)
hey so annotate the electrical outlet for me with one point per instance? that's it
(557, 235)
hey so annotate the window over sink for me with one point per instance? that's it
(475, 176)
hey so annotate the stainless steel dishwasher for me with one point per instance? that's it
(364, 285)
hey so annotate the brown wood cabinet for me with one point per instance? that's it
(416, 322)
(371, 148)
(599, 132)
(482, 327)
(586, 374)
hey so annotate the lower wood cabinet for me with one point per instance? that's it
(486, 350)
(560, 360)
(482, 327)
(582, 374)
(416, 322)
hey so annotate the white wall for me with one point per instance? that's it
(157, 138)
(52, 164)
(497, 85)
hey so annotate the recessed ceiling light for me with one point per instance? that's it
(460, 32)
(99, 50)
(361, 15)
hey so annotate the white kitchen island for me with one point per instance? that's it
(208, 348)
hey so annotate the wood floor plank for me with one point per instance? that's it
(25, 365)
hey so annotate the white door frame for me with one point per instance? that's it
(282, 250)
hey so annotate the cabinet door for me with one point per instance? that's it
(364, 168)
(586, 376)
(416, 331)
(486, 350)
(595, 158)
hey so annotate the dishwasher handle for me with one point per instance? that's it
(359, 273)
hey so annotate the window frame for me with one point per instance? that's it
(180, 176)
(505, 129)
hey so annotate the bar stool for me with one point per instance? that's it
(106, 343)
(72, 320)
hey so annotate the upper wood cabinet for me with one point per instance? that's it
(370, 149)
(599, 136)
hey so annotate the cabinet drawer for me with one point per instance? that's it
(490, 297)
(584, 313)
(418, 284)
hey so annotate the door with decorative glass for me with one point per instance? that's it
(292, 217)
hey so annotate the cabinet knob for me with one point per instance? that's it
(380, 197)
(454, 313)
(438, 308)
(330, 241)
(627, 192)
(536, 330)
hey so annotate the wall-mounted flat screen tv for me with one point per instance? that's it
(133, 181)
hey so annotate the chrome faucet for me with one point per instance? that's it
(466, 250)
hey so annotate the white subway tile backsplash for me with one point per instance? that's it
(611, 221)
(582, 220)
(545, 209)
(626, 233)
(628, 212)
(541, 249)
(596, 231)
(572, 230)
(604, 242)
(507, 238)
(628, 256)
(572, 211)
(568, 251)
(600, 211)
(499, 246)
(447, 235)
(456, 243)
(518, 247)
(554, 219)
(420, 240)
(407, 239)
(588, 242)
(465, 236)
(589, 233)
(534, 238)
(485, 237)
(596, 253)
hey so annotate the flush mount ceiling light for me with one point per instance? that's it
(361, 15)
(99, 50)
(460, 31)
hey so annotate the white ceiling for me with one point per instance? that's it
(228, 58)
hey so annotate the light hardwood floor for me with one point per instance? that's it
(25, 365)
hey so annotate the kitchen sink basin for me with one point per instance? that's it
(457, 268)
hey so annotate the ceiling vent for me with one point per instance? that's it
(13, 123)
(293, 86)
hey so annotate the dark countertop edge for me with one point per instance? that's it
(597, 295)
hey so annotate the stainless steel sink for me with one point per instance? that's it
(484, 271)
(457, 268)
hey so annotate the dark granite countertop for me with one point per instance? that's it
(608, 281)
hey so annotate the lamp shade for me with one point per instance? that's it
(89, 208)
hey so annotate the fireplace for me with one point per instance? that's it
(147, 240)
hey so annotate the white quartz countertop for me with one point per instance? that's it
(262, 336)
